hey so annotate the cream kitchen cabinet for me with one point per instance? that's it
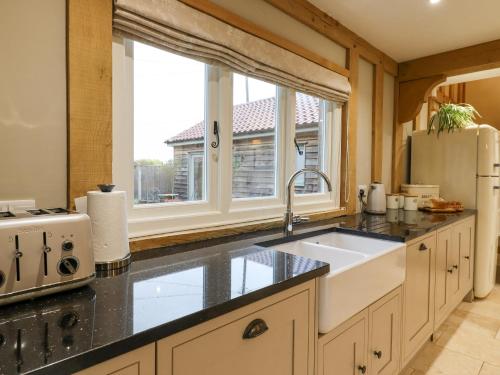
(384, 348)
(137, 362)
(447, 281)
(464, 235)
(418, 294)
(439, 274)
(368, 343)
(275, 336)
(344, 350)
(454, 267)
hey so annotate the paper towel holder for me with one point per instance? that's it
(106, 188)
(114, 267)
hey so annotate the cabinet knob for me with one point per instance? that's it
(467, 257)
(450, 270)
(256, 328)
(378, 354)
(455, 266)
(423, 247)
(362, 369)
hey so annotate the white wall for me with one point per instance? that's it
(33, 101)
(365, 121)
(272, 19)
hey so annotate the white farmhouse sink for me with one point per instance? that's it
(362, 270)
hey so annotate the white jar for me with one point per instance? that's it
(411, 203)
(392, 201)
(401, 200)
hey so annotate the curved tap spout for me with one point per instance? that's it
(288, 228)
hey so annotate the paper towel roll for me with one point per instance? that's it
(108, 216)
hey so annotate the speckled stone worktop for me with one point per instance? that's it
(171, 289)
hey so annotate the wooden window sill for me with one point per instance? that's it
(184, 237)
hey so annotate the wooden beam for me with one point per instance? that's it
(349, 129)
(89, 87)
(222, 14)
(320, 21)
(412, 95)
(378, 123)
(397, 144)
(460, 61)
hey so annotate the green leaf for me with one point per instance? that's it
(451, 117)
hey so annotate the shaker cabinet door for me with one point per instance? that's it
(466, 250)
(343, 351)
(385, 334)
(418, 306)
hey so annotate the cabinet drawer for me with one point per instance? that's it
(275, 337)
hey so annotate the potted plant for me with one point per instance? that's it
(451, 117)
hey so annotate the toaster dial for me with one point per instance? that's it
(68, 266)
(67, 245)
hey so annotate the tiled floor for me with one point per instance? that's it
(468, 342)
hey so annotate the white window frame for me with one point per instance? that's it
(218, 208)
(300, 181)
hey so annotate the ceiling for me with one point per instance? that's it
(407, 29)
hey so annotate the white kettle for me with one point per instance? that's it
(376, 203)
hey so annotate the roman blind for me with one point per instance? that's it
(176, 27)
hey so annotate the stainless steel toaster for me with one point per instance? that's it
(43, 251)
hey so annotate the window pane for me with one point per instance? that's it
(169, 127)
(309, 142)
(254, 137)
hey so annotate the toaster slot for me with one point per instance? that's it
(18, 255)
(58, 210)
(38, 212)
(46, 251)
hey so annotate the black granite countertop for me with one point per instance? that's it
(399, 225)
(157, 297)
(170, 289)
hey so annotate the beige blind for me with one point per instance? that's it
(176, 27)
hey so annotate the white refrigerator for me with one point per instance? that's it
(466, 166)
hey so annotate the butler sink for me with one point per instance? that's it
(362, 270)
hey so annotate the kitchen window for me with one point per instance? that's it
(309, 126)
(197, 145)
(254, 137)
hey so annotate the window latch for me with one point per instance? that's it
(215, 144)
(301, 152)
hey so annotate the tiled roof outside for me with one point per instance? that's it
(257, 117)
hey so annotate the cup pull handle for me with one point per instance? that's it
(256, 328)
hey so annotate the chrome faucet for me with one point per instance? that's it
(289, 218)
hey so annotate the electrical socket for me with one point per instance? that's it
(17, 205)
(364, 188)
